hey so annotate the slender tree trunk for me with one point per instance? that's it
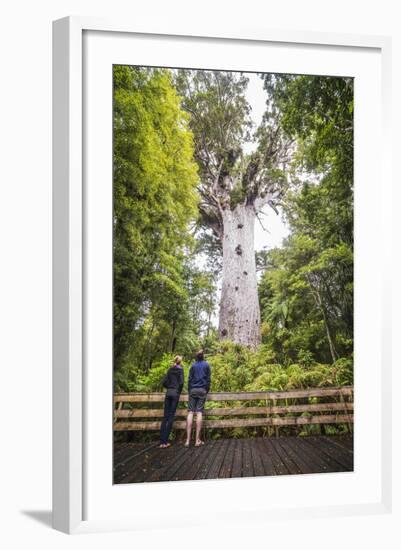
(333, 351)
(239, 319)
(209, 317)
(149, 345)
(173, 337)
(319, 303)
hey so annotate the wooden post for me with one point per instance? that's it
(319, 425)
(118, 408)
(346, 412)
(203, 424)
(267, 416)
(275, 427)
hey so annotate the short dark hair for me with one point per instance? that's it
(200, 355)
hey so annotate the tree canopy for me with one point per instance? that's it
(155, 199)
(308, 286)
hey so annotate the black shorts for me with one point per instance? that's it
(197, 398)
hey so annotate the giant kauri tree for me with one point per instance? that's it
(234, 186)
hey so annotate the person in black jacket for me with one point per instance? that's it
(173, 381)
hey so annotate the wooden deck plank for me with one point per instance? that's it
(292, 466)
(258, 468)
(226, 467)
(318, 455)
(247, 463)
(319, 464)
(346, 459)
(305, 465)
(137, 456)
(232, 458)
(170, 465)
(119, 449)
(164, 464)
(205, 453)
(136, 469)
(236, 470)
(211, 449)
(218, 459)
(344, 442)
(127, 450)
(316, 445)
(279, 466)
(266, 458)
(196, 457)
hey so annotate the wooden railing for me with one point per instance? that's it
(271, 408)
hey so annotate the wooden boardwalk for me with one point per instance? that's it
(231, 458)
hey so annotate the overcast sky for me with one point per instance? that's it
(277, 229)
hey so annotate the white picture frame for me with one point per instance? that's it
(70, 260)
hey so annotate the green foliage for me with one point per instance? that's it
(306, 291)
(167, 143)
(220, 117)
(155, 199)
(236, 368)
(317, 111)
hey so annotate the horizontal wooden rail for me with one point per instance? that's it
(339, 409)
(238, 396)
(315, 407)
(243, 422)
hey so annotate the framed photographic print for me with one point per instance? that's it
(219, 324)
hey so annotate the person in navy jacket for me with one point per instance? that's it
(198, 388)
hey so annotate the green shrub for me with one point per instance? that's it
(236, 368)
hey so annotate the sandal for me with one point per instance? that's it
(199, 444)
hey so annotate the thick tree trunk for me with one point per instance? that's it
(239, 319)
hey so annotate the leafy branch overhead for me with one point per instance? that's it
(221, 123)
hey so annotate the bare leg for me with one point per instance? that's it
(198, 428)
(189, 427)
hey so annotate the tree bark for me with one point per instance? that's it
(333, 351)
(239, 319)
(173, 337)
(319, 303)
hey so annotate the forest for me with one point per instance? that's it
(187, 196)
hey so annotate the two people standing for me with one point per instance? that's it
(198, 388)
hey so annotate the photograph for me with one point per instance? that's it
(233, 273)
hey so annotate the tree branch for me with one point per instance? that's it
(211, 218)
(261, 224)
(271, 198)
